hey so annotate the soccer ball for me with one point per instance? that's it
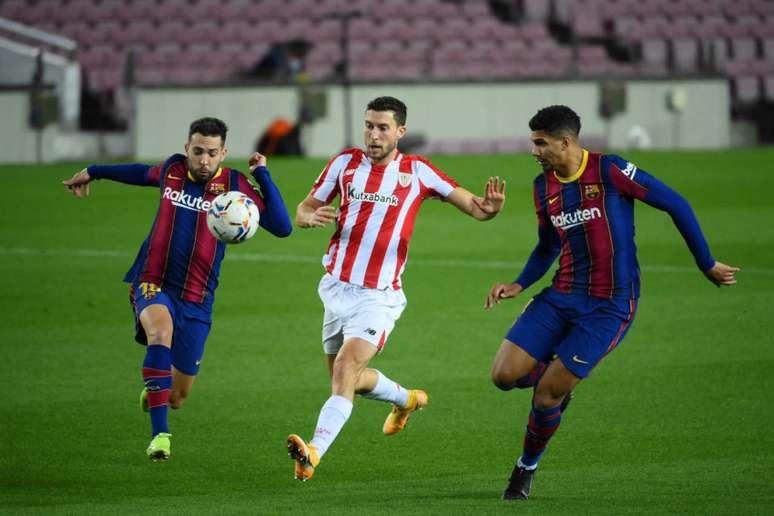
(233, 217)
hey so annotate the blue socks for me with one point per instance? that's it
(157, 375)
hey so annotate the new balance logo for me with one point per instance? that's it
(566, 221)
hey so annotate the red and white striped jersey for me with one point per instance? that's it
(379, 204)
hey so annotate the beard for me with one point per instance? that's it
(378, 153)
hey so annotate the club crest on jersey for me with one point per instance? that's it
(404, 179)
(591, 191)
(216, 188)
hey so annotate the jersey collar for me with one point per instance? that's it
(192, 179)
(382, 168)
(578, 173)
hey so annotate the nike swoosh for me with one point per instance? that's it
(174, 177)
(553, 200)
(578, 360)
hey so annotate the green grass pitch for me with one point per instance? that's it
(679, 419)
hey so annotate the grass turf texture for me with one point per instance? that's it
(678, 420)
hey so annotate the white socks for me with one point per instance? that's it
(528, 468)
(333, 415)
(387, 390)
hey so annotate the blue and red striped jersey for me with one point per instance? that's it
(588, 221)
(180, 254)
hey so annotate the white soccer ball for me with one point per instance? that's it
(233, 217)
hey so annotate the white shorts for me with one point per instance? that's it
(352, 311)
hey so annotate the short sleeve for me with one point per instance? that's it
(436, 183)
(326, 187)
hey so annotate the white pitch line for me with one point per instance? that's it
(285, 258)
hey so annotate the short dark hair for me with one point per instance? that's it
(208, 126)
(397, 107)
(556, 121)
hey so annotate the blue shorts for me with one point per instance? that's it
(191, 324)
(580, 330)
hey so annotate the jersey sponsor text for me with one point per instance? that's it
(570, 220)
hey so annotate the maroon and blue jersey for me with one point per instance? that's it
(180, 254)
(587, 220)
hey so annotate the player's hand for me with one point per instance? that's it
(256, 160)
(721, 274)
(322, 216)
(79, 183)
(501, 291)
(494, 196)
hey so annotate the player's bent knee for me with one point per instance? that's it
(545, 398)
(159, 335)
(502, 380)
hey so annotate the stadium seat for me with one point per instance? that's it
(768, 87)
(746, 89)
(743, 48)
(536, 10)
(685, 55)
(586, 23)
(654, 56)
(768, 49)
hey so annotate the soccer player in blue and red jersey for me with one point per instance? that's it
(585, 209)
(174, 276)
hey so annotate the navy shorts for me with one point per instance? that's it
(191, 324)
(580, 330)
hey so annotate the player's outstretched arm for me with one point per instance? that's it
(480, 208)
(137, 174)
(501, 291)
(313, 213)
(721, 274)
(274, 218)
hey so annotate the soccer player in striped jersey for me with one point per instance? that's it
(585, 210)
(380, 191)
(174, 276)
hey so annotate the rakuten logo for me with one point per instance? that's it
(184, 200)
(570, 220)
